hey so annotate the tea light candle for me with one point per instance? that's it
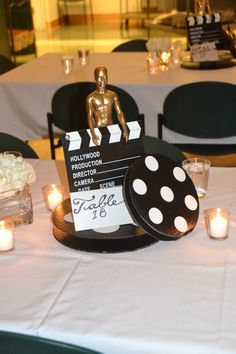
(217, 222)
(54, 198)
(6, 236)
(218, 225)
(165, 56)
(53, 195)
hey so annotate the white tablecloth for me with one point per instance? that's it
(169, 298)
(26, 92)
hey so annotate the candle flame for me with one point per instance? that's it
(2, 224)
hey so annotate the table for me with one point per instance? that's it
(26, 92)
(172, 297)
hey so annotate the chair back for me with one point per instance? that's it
(69, 105)
(202, 110)
(6, 64)
(135, 45)
(12, 343)
(12, 143)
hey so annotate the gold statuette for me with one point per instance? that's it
(202, 7)
(99, 105)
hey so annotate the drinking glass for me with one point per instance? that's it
(152, 63)
(83, 55)
(175, 52)
(198, 170)
(68, 63)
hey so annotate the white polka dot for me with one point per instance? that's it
(167, 194)
(181, 224)
(139, 186)
(179, 174)
(190, 202)
(151, 163)
(155, 215)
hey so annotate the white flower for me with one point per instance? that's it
(15, 172)
(159, 44)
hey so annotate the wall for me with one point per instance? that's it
(45, 12)
(38, 13)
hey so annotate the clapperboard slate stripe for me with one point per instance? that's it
(202, 29)
(91, 166)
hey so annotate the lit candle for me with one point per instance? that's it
(165, 57)
(55, 197)
(217, 223)
(6, 236)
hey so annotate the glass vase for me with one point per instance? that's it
(16, 206)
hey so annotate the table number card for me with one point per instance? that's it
(205, 29)
(204, 52)
(99, 208)
(96, 173)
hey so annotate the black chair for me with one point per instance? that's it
(69, 109)
(12, 143)
(135, 45)
(203, 110)
(6, 64)
(157, 146)
(16, 343)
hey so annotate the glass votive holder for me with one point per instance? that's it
(53, 195)
(83, 55)
(217, 223)
(6, 236)
(165, 57)
(198, 171)
(67, 63)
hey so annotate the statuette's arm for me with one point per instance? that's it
(91, 121)
(121, 117)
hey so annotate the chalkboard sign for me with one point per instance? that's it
(96, 173)
(203, 29)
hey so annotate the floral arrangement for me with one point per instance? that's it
(159, 44)
(15, 172)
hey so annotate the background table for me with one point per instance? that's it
(172, 297)
(26, 92)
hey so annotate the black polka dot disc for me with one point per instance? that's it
(161, 197)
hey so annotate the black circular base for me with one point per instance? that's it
(209, 65)
(125, 238)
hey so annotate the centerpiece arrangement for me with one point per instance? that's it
(161, 52)
(159, 45)
(121, 199)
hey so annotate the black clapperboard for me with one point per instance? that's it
(205, 36)
(96, 173)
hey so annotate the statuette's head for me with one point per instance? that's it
(101, 77)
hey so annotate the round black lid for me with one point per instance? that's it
(161, 197)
